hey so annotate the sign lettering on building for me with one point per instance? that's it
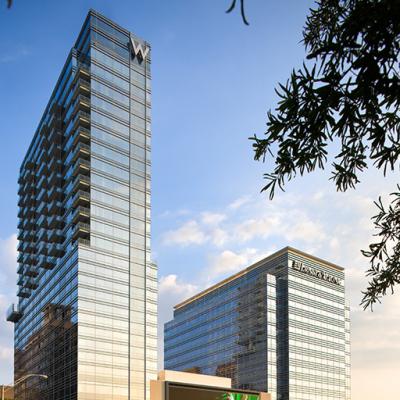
(299, 266)
(138, 50)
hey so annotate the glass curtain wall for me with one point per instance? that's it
(87, 315)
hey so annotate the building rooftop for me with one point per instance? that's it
(277, 254)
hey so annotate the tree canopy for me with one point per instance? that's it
(347, 92)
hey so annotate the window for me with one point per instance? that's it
(110, 200)
(107, 91)
(110, 138)
(109, 215)
(110, 108)
(110, 184)
(109, 44)
(109, 123)
(110, 169)
(109, 76)
(110, 62)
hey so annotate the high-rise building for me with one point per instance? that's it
(280, 326)
(86, 316)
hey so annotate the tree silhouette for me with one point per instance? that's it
(347, 92)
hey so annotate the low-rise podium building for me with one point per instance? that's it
(280, 326)
(174, 385)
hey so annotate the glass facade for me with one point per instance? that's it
(281, 326)
(87, 310)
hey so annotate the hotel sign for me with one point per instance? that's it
(138, 50)
(299, 266)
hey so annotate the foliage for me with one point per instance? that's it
(348, 92)
(384, 255)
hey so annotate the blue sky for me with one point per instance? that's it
(213, 82)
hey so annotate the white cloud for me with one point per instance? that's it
(172, 286)
(8, 257)
(189, 233)
(256, 227)
(241, 201)
(209, 218)
(229, 262)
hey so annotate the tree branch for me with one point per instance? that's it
(242, 11)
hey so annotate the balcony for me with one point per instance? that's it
(21, 212)
(43, 156)
(54, 107)
(42, 196)
(81, 198)
(83, 86)
(81, 118)
(47, 262)
(83, 70)
(43, 209)
(20, 246)
(30, 164)
(23, 292)
(20, 268)
(56, 236)
(30, 212)
(55, 222)
(13, 313)
(83, 242)
(55, 208)
(55, 179)
(42, 235)
(81, 214)
(30, 259)
(42, 182)
(81, 182)
(32, 271)
(81, 230)
(55, 136)
(81, 150)
(56, 164)
(55, 150)
(42, 221)
(20, 280)
(81, 135)
(43, 169)
(31, 283)
(55, 193)
(56, 250)
(43, 249)
(29, 247)
(26, 224)
(81, 166)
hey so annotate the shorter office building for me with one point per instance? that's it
(280, 326)
(174, 385)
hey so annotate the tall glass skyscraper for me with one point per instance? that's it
(87, 314)
(280, 326)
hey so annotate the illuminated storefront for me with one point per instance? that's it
(173, 385)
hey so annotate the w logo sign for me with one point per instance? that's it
(138, 51)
